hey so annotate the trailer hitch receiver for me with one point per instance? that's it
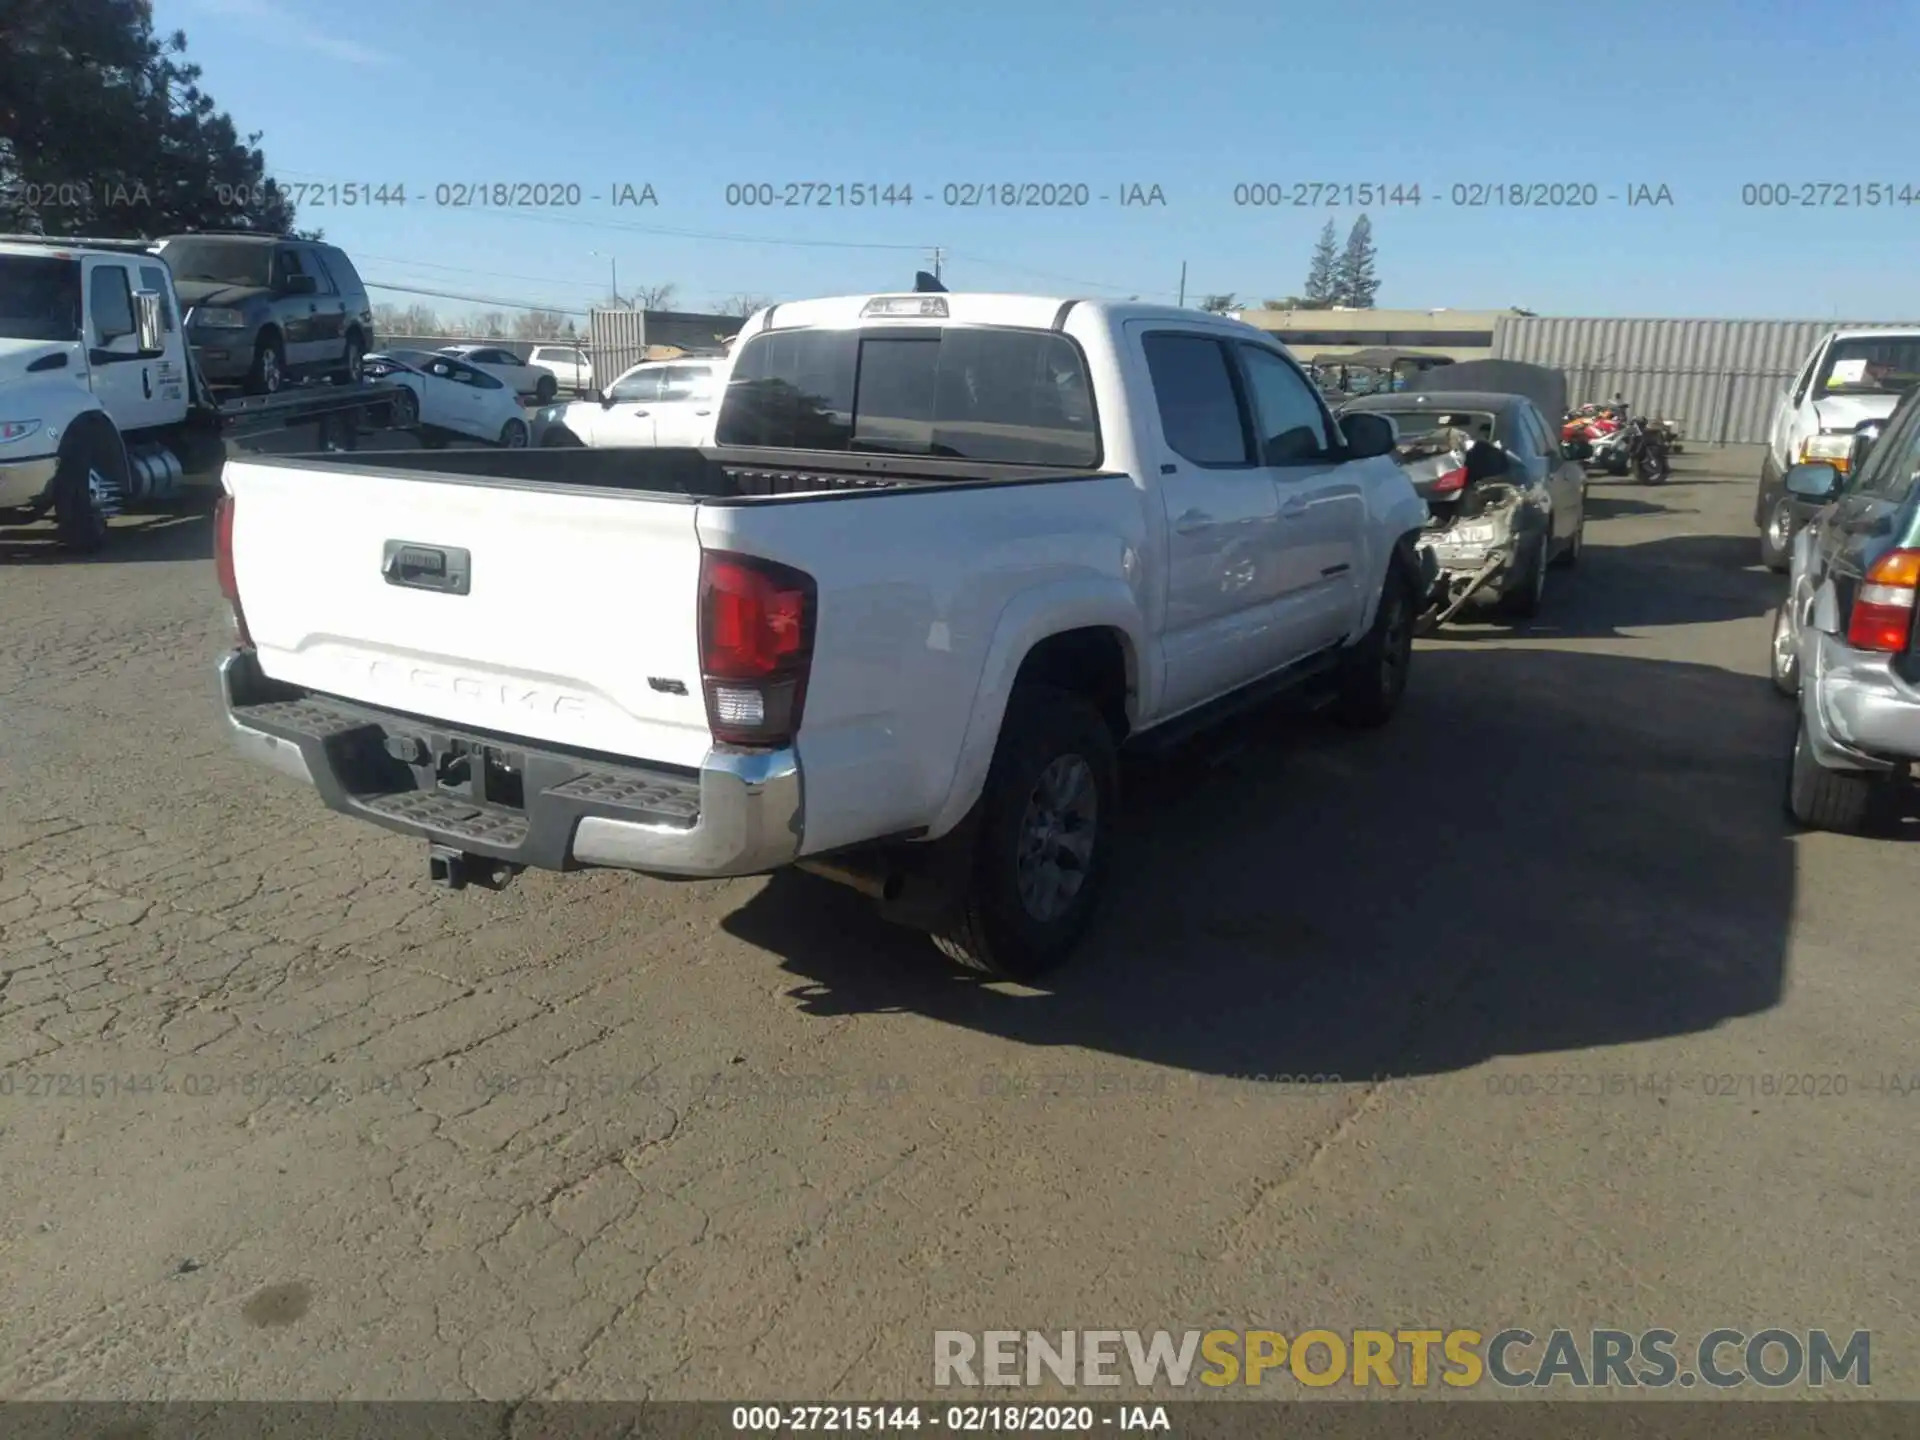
(455, 869)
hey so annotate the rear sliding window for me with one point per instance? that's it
(1002, 396)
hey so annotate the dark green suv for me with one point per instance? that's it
(266, 309)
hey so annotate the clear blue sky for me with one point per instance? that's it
(1702, 97)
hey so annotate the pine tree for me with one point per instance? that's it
(1355, 283)
(1321, 274)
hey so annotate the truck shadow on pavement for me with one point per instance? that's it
(174, 536)
(1546, 851)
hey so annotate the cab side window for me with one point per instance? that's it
(1198, 398)
(111, 300)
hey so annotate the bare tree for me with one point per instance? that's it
(742, 305)
(493, 325)
(655, 297)
(538, 325)
(1217, 304)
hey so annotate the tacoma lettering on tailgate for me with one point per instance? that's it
(510, 694)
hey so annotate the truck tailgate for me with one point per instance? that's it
(576, 623)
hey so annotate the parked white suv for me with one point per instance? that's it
(1853, 379)
(571, 368)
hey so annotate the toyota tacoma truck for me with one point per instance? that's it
(947, 554)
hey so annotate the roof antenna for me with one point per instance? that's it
(925, 284)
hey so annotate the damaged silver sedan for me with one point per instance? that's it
(1507, 499)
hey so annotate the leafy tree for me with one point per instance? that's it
(1354, 281)
(1288, 302)
(1323, 281)
(108, 131)
(1217, 304)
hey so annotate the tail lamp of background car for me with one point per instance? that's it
(1882, 618)
(1451, 483)
(223, 567)
(756, 647)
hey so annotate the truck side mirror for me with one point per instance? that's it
(148, 322)
(1817, 483)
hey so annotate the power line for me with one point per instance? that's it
(477, 299)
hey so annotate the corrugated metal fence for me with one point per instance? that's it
(1719, 378)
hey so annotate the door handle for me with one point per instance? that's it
(1191, 521)
(640, 414)
(1295, 507)
(703, 412)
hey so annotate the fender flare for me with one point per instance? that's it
(94, 423)
(1030, 617)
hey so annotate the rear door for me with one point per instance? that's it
(299, 315)
(330, 320)
(576, 603)
(1322, 507)
(1854, 530)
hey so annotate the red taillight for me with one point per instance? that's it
(223, 567)
(756, 647)
(1452, 481)
(1882, 616)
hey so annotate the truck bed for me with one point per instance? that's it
(711, 476)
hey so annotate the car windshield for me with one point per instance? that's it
(39, 298)
(1016, 397)
(1869, 365)
(220, 262)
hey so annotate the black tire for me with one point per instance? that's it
(1776, 537)
(404, 412)
(995, 931)
(1568, 558)
(1374, 672)
(1617, 463)
(513, 435)
(1524, 600)
(1653, 470)
(268, 375)
(1848, 802)
(80, 522)
(352, 369)
(545, 390)
(1783, 661)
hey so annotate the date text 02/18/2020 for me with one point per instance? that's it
(1475, 195)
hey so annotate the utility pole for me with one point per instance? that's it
(938, 253)
(1183, 284)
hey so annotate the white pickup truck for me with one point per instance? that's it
(948, 553)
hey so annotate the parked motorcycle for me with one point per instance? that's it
(1645, 451)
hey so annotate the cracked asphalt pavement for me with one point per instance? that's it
(1530, 1009)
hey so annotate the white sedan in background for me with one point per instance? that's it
(656, 403)
(508, 368)
(451, 399)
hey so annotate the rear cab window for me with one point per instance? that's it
(998, 395)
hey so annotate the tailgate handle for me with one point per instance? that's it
(427, 567)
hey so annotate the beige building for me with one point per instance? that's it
(1452, 334)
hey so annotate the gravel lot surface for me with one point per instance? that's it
(280, 1120)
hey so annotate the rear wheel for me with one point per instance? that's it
(406, 409)
(1524, 600)
(1785, 658)
(353, 366)
(1850, 802)
(513, 435)
(544, 391)
(1776, 537)
(1045, 843)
